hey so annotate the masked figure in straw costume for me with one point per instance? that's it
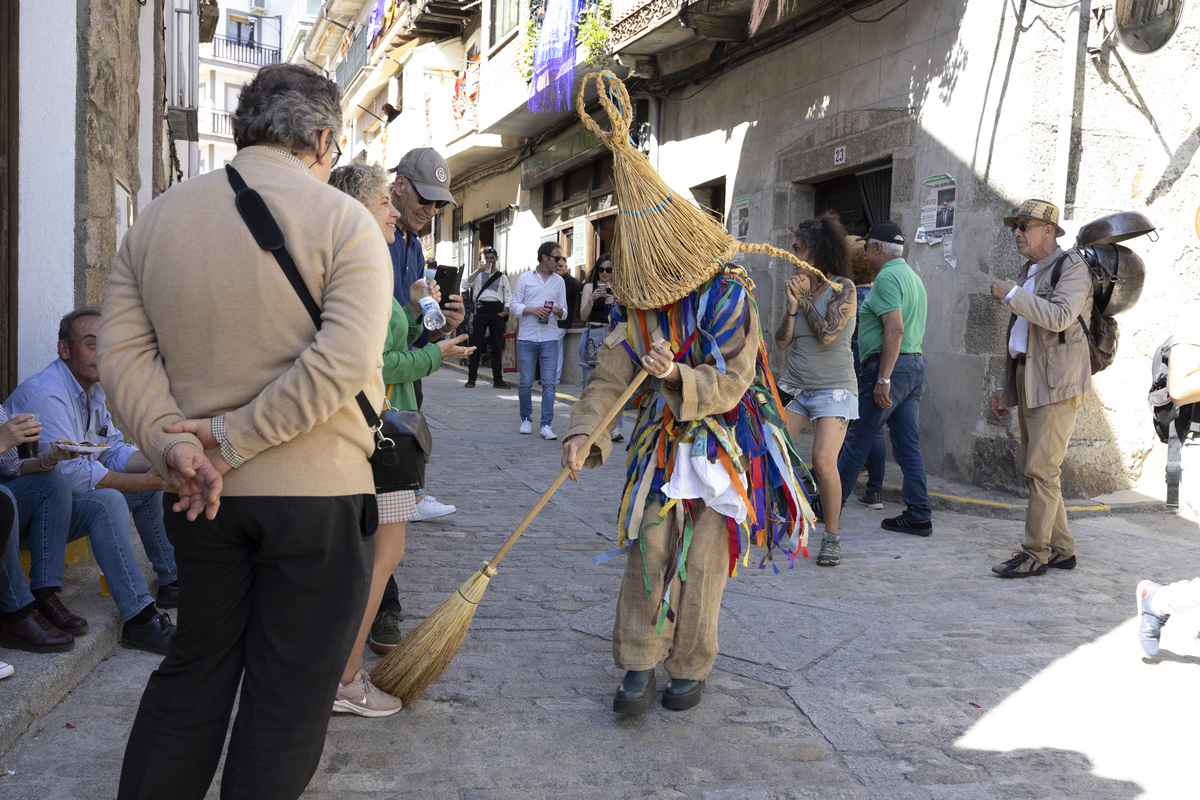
(710, 468)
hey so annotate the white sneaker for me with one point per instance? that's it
(6, 669)
(362, 697)
(548, 433)
(617, 436)
(429, 508)
(526, 426)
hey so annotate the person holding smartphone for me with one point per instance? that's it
(596, 305)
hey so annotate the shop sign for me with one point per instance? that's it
(560, 157)
(579, 241)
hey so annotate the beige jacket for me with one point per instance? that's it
(199, 320)
(1054, 371)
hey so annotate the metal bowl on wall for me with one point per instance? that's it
(1118, 275)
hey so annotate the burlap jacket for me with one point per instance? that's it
(1054, 370)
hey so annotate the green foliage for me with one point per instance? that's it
(593, 34)
(529, 37)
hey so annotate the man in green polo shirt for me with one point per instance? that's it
(891, 327)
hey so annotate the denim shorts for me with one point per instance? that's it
(817, 403)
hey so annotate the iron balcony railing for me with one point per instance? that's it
(355, 59)
(244, 51)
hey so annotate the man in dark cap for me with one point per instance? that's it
(891, 327)
(1047, 373)
(420, 191)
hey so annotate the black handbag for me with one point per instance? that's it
(409, 442)
(402, 440)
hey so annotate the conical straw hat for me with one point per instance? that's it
(665, 245)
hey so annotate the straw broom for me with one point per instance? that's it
(666, 246)
(423, 655)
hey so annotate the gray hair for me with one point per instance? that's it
(889, 248)
(67, 323)
(366, 183)
(287, 106)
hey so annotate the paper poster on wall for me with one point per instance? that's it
(739, 217)
(579, 242)
(937, 210)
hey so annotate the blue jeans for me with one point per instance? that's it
(903, 420)
(14, 589)
(43, 503)
(877, 455)
(51, 516)
(531, 355)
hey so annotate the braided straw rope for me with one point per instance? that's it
(665, 246)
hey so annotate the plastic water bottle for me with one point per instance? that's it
(432, 316)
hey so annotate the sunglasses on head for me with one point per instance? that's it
(1024, 226)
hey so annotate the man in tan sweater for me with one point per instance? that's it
(219, 375)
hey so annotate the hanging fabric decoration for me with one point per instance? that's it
(554, 57)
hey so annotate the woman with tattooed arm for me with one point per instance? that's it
(816, 334)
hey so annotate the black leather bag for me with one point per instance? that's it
(402, 440)
(402, 449)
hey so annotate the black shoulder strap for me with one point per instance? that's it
(267, 233)
(1054, 276)
(495, 277)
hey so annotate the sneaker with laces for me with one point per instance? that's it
(1149, 623)
(1059, 561)
(831, 551)
(526, 426)
(903, 523)
(548, 432)
(385, 631)
(1021, 565)
(429, 508)
(871, 500)
(362, 697)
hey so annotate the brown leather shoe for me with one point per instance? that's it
(35, 634)
(56, 614)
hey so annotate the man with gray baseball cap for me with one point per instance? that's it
(420, 191)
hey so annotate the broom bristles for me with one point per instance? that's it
(423, 655)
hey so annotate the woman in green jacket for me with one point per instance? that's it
(368, 184)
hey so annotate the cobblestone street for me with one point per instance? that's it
(907, 671)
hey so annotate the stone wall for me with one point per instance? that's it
(963, 87)
(110, 67)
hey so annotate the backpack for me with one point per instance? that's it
(1102, 334)
(1165, 413)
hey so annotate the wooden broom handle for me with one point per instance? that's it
(601, 427)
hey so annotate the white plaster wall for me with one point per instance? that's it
(46, 239)
(149, 108)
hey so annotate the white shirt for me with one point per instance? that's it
(534, 290)
(499, 290)
(1018, 337)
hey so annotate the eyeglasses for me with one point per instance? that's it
(438, 204)
(606, 269)
(337, 154)
(560, 259)
(1025, 226)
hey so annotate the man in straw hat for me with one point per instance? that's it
(1047, 372)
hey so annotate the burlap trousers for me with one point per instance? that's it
(689, 644)
(1045, 434)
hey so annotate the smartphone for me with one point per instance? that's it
(448, 279)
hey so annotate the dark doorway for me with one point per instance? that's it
(861, 199)
(9, 188)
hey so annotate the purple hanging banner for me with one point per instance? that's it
(554, 57)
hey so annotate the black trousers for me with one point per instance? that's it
(489, 330)
(271, 594)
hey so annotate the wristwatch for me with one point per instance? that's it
(884, 381)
